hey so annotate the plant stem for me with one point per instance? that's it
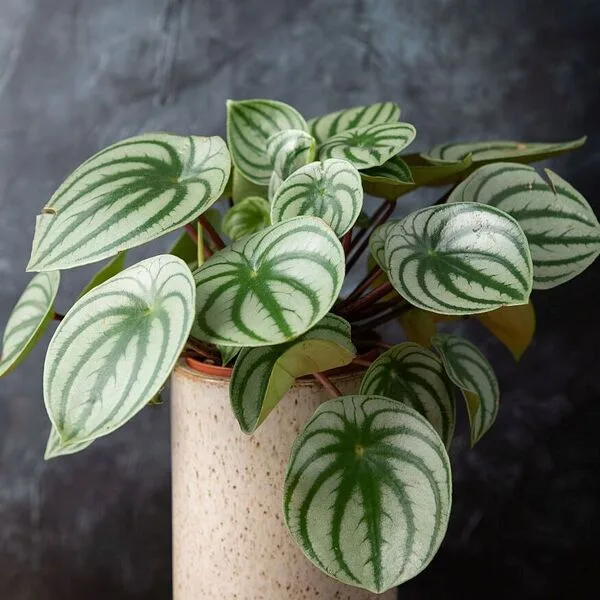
(58, 317)
(212, 233)
(329, 386)
(373, 310)
(362, 286)
(192, 232)
(382, 319)
(362, 363)
(347, 242)
(379, 292)
(201, 350)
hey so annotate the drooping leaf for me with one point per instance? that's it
(325, 127)
(414, 376)
(288, 150)
(114, 266)
(185, 248)
(377, 242)
(126, 195)
(511, 151)
(514, 326)
(242, 188)
(127, 334)
(54, 448)
(228, 353)
(250, 124)
(262, 376)
(368, 146)
(460, 258)
(246, 217)
(561, 227)
(367, 492)
(269, 287)
(29, 319)
(470, 370)
(430, 172)
(331, 190)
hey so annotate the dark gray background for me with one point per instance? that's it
(78, 75)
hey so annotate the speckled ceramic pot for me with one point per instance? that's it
(229, 539)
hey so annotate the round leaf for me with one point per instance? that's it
(325, 127)
(269, 287)
(29, 319)
(116, 347)
(561, 227)
(416, 377)
(459, 259)
(368, 146)
(368, 491)
(246, 217)
(331, 190)
(262, 376)
(377, 242)
(126, 195)
(250, 124)
(473, 374)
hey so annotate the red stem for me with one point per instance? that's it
(212, 233)
(58, 317)
(379, 292)
(362, 286)
(347, 242)
(376, 309)
(381, 319)
(329, 386)
(192, 232)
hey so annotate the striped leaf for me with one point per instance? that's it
(394, 169)
(473, 374)
(377, 242)
(485, 152)
(561, 227)
(289, 150)
(114, 266)
(368, 146)
(459, 259)
(325, 127)
(367, 492)
(29, 319)
(414, 376)
(128, 334)
(126, 195)
(262, 376)
(270, 287)
(331, 190)
(250, 124)
(54, 448)
(228, 353)
(246, 217)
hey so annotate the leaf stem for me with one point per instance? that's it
(200, 349)
(379, 292)
(382, 319)
(58, 316)
(347, 242)
(329, 386)
(192, 232)
(362, 286)
(212, 233)
(376, 309)
(361, 362)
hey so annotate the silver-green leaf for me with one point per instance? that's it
(116, 347)
(289, 150)
(29, 319)
(561, 227)
(461, 258)
(368, 146)
(377, 242)
(250, 124)
(470, 370)
(126, 195)
(54, 448)
(415, 376)
(368, 490)
(269, 287)
(331, 190)
(262, 376)
(248, 216)
(228, 353)
(325, 127)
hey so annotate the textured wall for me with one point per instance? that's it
(77, 75)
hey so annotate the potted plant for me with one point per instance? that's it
(251, 315)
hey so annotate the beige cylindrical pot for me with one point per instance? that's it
(229, 538)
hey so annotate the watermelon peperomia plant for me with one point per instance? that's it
(368, 489)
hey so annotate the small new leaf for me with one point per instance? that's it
(248, 216)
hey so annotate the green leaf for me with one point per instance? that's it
(368, 491)
(250, 124)
(29, 319)
(462, 258)
(331, 190)
(126, 195)
(186, 249)
(377, 242)
(269, 287)
(228, 353)
(363, 221)
(289, 150)
(368, 146)
(473, 374)
(325, 127)
(114, 266)
(242, 188)
(393, 170)
(54, 448)
(561, 227)
(116, 347)
(492, 151)
(246, 217)
(414, 376)
(262, 376)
